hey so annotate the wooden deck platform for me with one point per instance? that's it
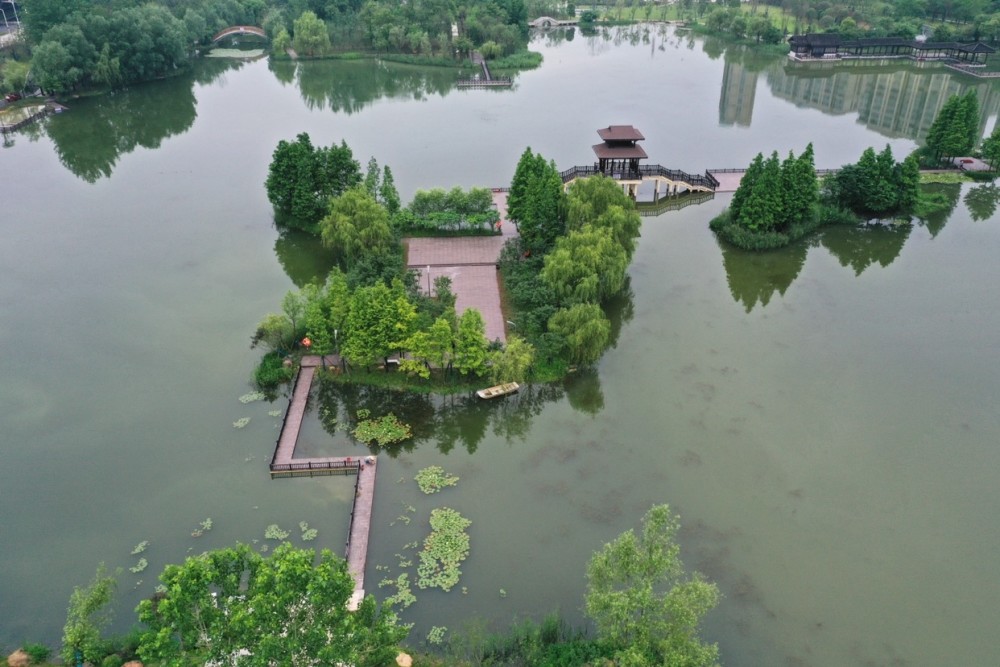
(284, 464)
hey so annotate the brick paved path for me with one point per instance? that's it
(471, 263)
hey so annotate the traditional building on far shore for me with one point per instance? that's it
(831, 46)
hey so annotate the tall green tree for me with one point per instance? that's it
(310, 37)
(536, 201)
(90, 611)
(471, 344)
(991, 148)
(293, 180)
(388, 196)
(235, 607)
(372, 325)
(953, 131)
(585, 329)
(357, 225)
(763, 208)
(746, 185)
(643, 602)
(301, 179)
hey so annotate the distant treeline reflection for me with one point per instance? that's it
(96, 132)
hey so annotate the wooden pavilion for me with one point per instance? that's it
(618, 155)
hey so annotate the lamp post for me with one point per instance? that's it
(428, 280)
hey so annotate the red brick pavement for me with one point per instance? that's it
(470, 262)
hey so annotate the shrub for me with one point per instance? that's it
(113, 660)
(37, 653)
(272, 372)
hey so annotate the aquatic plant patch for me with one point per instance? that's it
(433, 478)
(403, 596)
(383, 431)
(139, 548)
(274, 532)
(251, 397)
(444, 550)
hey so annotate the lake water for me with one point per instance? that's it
(823, 418)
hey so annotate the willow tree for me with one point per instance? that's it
(585, 330)
(357, 225)
(644, 604)
(599, 201)
(587, 265)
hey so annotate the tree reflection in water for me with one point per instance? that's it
(455, 419)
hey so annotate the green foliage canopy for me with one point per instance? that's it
(642, 601)
(233, 606)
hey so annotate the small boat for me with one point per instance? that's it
(499, 390)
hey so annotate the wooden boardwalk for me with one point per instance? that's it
(284, 464)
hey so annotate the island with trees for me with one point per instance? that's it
(568, 261)
(781, 201)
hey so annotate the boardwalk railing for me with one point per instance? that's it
(500, 82)
(310, 468)
(644, 171)
(654, 208)
(740, 170)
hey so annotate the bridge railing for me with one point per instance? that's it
(644, 171)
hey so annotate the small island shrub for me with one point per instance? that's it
(37, 653)
(272, 372)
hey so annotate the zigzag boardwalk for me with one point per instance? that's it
(284, 464)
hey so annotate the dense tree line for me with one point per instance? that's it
(93, 43)
(771, 20)
(572, 256)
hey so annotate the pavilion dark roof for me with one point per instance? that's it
(629, 151)
(620, 133)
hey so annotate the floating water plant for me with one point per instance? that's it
(382, 431)
(251, 397)
(140, 566)
(433, 478)
(241, 422)
(274, 532)
(403, 596)
(274, 413)
(436, 635)
(444, 550)
(503, 593)
(308, 534)
(139, 548)
(206, 524)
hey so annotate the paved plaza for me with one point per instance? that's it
(471, 263)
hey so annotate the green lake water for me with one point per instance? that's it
(823, 418)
